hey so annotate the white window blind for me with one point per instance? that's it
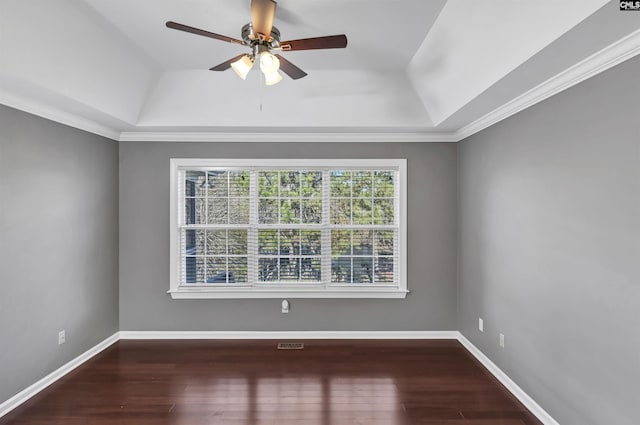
(294, 228)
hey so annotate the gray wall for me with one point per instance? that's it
(549, 205)
(144, 245)
(58, 245)
(548, 212)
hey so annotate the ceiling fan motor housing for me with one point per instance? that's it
(253, 39)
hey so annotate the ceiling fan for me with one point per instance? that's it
(262, 38)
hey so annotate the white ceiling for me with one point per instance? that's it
(370, 25)
(429, 68)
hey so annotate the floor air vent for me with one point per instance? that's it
(290, 346)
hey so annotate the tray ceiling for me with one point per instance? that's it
(411, 66)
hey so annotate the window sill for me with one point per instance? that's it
(249, 293)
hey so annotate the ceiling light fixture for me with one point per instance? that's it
(242, 66)
(262, 37)
(269, 65)
(273, 78)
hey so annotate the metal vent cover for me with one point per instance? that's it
(290, 346)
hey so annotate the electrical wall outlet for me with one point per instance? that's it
(502, 340)
(480, 324)
(285, 306)
(62, 337)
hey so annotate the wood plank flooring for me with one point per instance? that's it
(190, 382)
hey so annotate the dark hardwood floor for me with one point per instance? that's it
(251, 382)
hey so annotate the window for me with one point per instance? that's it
(252, 228)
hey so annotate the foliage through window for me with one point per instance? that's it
(296, 228)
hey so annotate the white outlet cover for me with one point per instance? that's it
(502, 340)
(480, 324)
(62, 337)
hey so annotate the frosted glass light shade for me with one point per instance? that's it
(242, 66)
(269, 63)
(273, 78)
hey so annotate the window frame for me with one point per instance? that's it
(178, 291)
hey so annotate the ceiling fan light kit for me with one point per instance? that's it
(269, 63)
(273, 78)
(242, 66)
(262, 38)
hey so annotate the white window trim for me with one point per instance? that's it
(284, 291)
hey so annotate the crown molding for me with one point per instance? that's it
(612, 55)
(208, 137)
(52, 113)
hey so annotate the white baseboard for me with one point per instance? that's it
(34, 389)
(513, 388)
(518, 392)
(289, 335)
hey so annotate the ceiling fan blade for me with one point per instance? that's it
(328, 42)
(226, 64)
(262, 14)
(290, 69)
(198, 31)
